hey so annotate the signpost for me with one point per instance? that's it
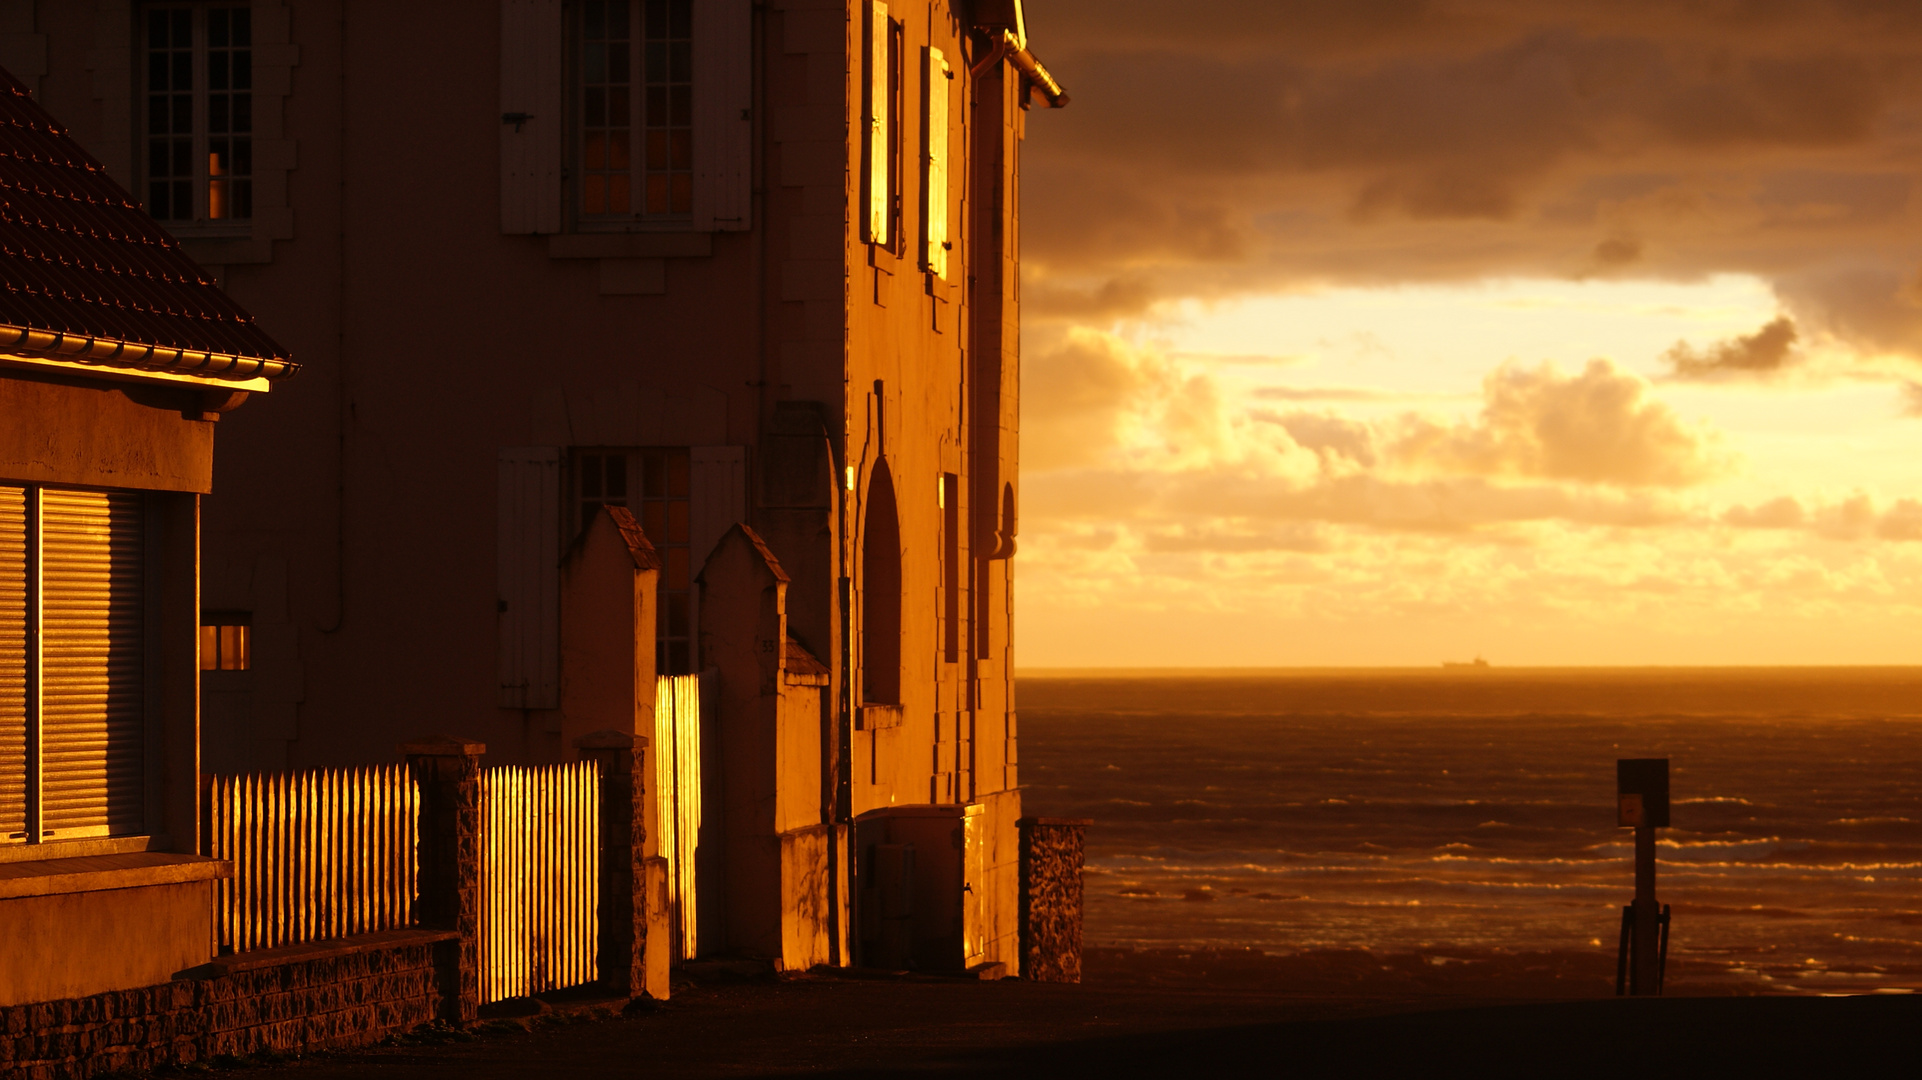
(1641, 788)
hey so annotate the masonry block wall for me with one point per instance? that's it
(344, 996)
(1051, 861)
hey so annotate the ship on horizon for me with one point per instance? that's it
(1477, 664)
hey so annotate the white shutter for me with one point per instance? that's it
(723, 124)
(529, 577)
(13, 665)
(93, 673)
(531, 87)
(934, 151)
(716, 499)
(878, 102)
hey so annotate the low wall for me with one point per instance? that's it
(1051, 862)
(342, 993)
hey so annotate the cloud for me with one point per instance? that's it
(1260, 145)
(1859, 516)
(1341, 393)
(1759, 355)
(1599, 426)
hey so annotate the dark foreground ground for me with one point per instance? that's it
(1219, 1014)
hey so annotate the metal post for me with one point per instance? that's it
(1647, 916)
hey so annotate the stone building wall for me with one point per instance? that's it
(1051, 862)
(352, 992)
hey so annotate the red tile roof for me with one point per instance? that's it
(90, 278)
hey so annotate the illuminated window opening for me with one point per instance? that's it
(226, 641)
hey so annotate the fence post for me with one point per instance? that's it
(622, 953)
(1050, 898)
(448, 897)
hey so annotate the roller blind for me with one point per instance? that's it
(93, 671)
(13, 664)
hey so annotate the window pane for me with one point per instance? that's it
(619, 200)
(677, 474)
(210, 648)
(617, 476)
(677, 521)
(594, 195)
(654, 520)
(217, 70)
(217, 28)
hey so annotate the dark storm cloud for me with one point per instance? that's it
(1251, 145)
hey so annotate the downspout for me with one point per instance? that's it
(343, 405)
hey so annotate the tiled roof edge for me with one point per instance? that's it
(133, 356)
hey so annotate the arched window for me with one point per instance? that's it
(881, 593)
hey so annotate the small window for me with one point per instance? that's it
(636, 109)
(225, 641)
(652, 483)
(198, 106)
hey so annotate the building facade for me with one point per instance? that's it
(715, 262)
(117, 358)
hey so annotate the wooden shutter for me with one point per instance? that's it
(528, 539)
(93, 668)
(13, 665)
(934, 156)
(531, 87)
(717, 498)
(723, 117)
(877, 100)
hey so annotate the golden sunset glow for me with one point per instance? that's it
(1390, 338)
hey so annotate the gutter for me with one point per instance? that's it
(112, 356)
(1034, 74)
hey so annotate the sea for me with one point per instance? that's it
(1469, 811)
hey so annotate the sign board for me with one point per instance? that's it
(1641, 789)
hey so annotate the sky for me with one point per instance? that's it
(1400, 332)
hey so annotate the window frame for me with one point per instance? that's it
(676, 555)
(202, 225)
(574, 169)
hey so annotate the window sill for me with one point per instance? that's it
(57, 848)
(877, 717)
(97, 873)
(631, 245)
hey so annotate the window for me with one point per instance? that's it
(636, 109)
(72, 664)
(225, 643)
(881, 156)
(949, 496)
(653, 484)
(881, 593)
(198, 102)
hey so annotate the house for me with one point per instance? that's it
(118, 355)
(745, 271)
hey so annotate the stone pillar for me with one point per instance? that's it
(623, 930)
(1051, 861)
(448, 772)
